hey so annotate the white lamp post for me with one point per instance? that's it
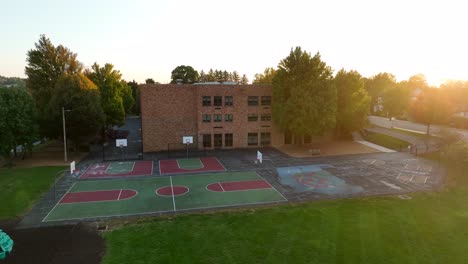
(64, 133)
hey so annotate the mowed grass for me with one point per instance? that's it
(411, 133)
(430, 228)
(386, 141)
(21, 187)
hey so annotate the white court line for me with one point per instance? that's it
(201, 162)
(159, 166)
(221, 186)
(397, 177)
(58, 201)
(411, 178)
(120, 193)
(406, 165)
(272, 187)
(373, 162)
(219, 162)
(172, 191)
(425, 180)
(152, 167)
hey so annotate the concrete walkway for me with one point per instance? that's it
(359, 139)
(423, 144)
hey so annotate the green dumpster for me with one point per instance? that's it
(6, 244)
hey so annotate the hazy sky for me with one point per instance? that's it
(148, 39)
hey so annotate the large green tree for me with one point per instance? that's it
(304, 96)
(85, 117)
(266, 77)
(431, 107)
(396, 99)
(352, 102)
(185, 73)
(17, 120)
(116, 95)
(376, 85)
(45, 64)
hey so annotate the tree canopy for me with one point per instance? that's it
(304, 96)
(266, 77)
(45, 65)
(352, 102)
(116, 95)
(376, 85)
(187, 74)
(81, 96)
(150, 81)
(18, 120)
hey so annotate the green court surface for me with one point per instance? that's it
(120, 167)
(190, 164)
(147, 200)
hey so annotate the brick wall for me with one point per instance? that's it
(172, 111)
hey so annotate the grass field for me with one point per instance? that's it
(386, 141)
(415, 134)
(21, 187)
(429, 228)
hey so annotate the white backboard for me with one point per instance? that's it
(259, 156)
(121, 142)
(187, 140)
(72, 167)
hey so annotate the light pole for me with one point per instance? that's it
(64, 133)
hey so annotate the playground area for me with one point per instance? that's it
(125, 197)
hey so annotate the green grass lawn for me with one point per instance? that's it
(430, 228)
(415, 134)
(21, 187)
(386, 141)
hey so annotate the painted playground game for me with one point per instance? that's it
(134, 188)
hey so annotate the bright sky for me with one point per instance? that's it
(148, 39)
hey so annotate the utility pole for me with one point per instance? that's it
(64, 134)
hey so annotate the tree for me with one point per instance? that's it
(202, 78)
(116, 97)
(187, 74)
(235, 77)
(80, 95)
(352, 102)
(17, 122)
(244, 80)
(150, 81)
(396, 99)
(127, 96)
(376, 85)
(431, 107)
(211, 76)
(304, 96)
(45, 64)
(266, 77)
(136, 95)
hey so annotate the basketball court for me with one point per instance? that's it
(191, 165)
(118, 169)
(124, 197)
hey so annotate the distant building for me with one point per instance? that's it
(221, 116)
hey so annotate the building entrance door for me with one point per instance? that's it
(218, 140)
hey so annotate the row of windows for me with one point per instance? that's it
(206, 118)
(252, 139)
(228, 100)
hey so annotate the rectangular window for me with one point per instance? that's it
(228, 139)
(206, 100)
(252, 139)
(217, 117)
(206, 118)
(252, 117)
(217, 100)
(252, 100)
(266, 100)
(265, 117)
(228, 100)
(207, 140)
(228, 118)
(265, 138)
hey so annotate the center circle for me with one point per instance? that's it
(174, 190)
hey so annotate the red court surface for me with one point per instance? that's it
(141, 168)
(210, 164)
(238, 186)
(97, 196)
(175, 190)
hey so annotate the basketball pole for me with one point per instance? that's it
(187, 150)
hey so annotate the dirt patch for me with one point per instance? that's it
(50, 154)
(58, 244)
(326, 149)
